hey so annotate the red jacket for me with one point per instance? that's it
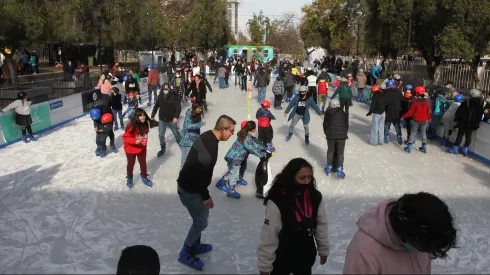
(129, 139)
(322, 88)
(264, 122)
(153, 78)
(419, 110)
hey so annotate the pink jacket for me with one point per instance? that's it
(376, 249)
(105, 88)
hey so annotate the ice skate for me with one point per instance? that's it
(129, 182)
(399, 139)
(24, 139)
(146, 181)
(113, 148)
(453, 150)
(464, 151)
(32, 138)
(289, 136)
(408, 148)
(162, 151)
(242, 182)
(387, 139)
(328, 169)
(307, 140)
(189, 259)
(423, 148)
(340, 172)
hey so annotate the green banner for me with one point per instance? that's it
(40, 121)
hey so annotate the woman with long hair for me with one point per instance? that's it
(295, 220)
(191, 129)
(135, 142)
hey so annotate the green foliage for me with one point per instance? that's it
(257, 26)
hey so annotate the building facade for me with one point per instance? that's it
(232, 15)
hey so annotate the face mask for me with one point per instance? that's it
(409, 247)
(487, 100)
(165, 92)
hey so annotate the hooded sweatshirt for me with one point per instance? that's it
(376, 249)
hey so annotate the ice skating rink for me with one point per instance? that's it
(65, 211)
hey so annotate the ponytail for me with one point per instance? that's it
(242, 134)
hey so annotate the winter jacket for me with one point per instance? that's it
(238, 69)
(190, 130)
(294, 105)
(322, 87)
(278, 88)
(129, 139)
(451, 112)
(285, 244)
(198, 92)
(393, 101)
(133, 103)
(324, 76)
(261, 80)
(361, 80)
(153, 78)
(343, 91)
(419, 110)
(469, 114)
(375, 71)
(378, 104)
(179, 90)
(239, 151)
(440, 105)
(169, 106)
(312, 80)
(115, 102)
(21, 108)
(103, 128)
(335, 124)
(376, 249)
(222, 72)
(264, 117)
(288, 80)
(132, 85)
(104, 86)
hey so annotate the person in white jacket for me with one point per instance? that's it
(295, 220)
(22, 115)
(448, 118)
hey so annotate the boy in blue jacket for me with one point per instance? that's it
(132, 105)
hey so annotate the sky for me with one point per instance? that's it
(271, 8)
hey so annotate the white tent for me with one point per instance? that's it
(317, 53)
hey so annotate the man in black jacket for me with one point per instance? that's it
(335, 127)
(238, 69)
(169, 105)
(193, 182)
(393, 100)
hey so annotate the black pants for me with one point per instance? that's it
(25, 130)
(335, 148)
(244, 82)
(243, 168)
(312, 93)
(467, 137)
(289, 91)
(408, 122)
(266, 134)
(226, 79)
(237, 78)
(100, 140)
(277, 100)
(345, 104)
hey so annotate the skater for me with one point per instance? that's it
(191, 130)
(264, 117)
(261, 81)
(138, 259)
(135, 142)
(405, 107)
(243, 166)
(393, 100)
(132, 105)
(467, 119)
(448, 119)
(245, 144)
(420, 113)
(103, 124)
(153, 84)
(238, 70)
(312, 89)
(322, 93)
(246, 72)
(362, 92)
(104, 85)
(222, 76)
(345, 95)
(115, 103)
(335, 127)
(204, 93)
(177, 86)
(295, 227)
(168, 105)
(22, 115)
(377, 108)
(402, 236)
(278, 91)
(301, 111)
(133, 86)
(289, 85)
(193, 182)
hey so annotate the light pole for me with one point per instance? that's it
(152, 44)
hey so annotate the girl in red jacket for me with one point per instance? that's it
(135, 141)
(420, 113)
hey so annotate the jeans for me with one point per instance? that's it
(396, 123)
(295, 120)
(222, 83)
(162, 128)
(232, 175)
(132, 160)
(261, 95)
(416, 125)
(101, 139)
(152, 90)
(199, 214)
(185, 152)
(115, 114)
(130, 111)
(377, 129)
(335, 148)
(360, 93)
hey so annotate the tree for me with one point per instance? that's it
(284, 35)
(257, 27)
(242, 39)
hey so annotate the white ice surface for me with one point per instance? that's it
(65, 211)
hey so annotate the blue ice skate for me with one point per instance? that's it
(189, 259)
(453, 150)
(399, 139)
(408, 148)
(242, 182)
(464, 151)
(146, 181)
(340, 172)
(129, 182)
(289, 136)
(423, 148)
(328, 169)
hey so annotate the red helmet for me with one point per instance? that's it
(106, 118)
(419, 90)
(374, 88)
(243, 124)
(131, 94)
(265, 103)
(407, 95)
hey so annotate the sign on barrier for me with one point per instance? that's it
(56, 105)
(40, 120)
(91, 99)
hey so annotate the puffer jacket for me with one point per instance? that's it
(190, 130)
(264, 117)
(335, 124)
(361, 80)
(278, 88)
(239, 151)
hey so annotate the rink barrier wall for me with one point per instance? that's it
(480, 140)
(52, 114)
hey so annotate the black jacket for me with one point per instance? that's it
(115, 102)
(198, 92)
(169, 106)
(393, 101)
(378, 104)
(262, 80)
(132, 85)
(335, 124)
(469, 114)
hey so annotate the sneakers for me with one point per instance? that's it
(190, 259)
(146, 181)
(423, 148)
(242, 182)
(328, 169)
(129, 182)
(307, 140)
(408, 148)
(340, 172)
(289, 136)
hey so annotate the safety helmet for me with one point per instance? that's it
(390, 83)
(475, 93)
(303, 88)
(459, 98)
(408, 87)
(149, 66)
(407, 95)
(106, 118)
(242, 125)
(375, 88)
(397, 77)
(95, 113)
(419, 90)
(265, 103)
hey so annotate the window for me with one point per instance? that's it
(266, 53)
(235, 53)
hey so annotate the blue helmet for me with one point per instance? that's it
(459, 98)
(95, 113)
(390, 83)
(149, 66)
(408, 87)
(125, 78)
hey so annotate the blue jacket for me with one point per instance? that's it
(440, 105)
(239, 151)
(294, 105)
(375, 71)
(190, 131)
(133, 103)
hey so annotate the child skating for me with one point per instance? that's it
(420, 113)
(103, 123)
(264, 117)
(22, 115)
(278, 91)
